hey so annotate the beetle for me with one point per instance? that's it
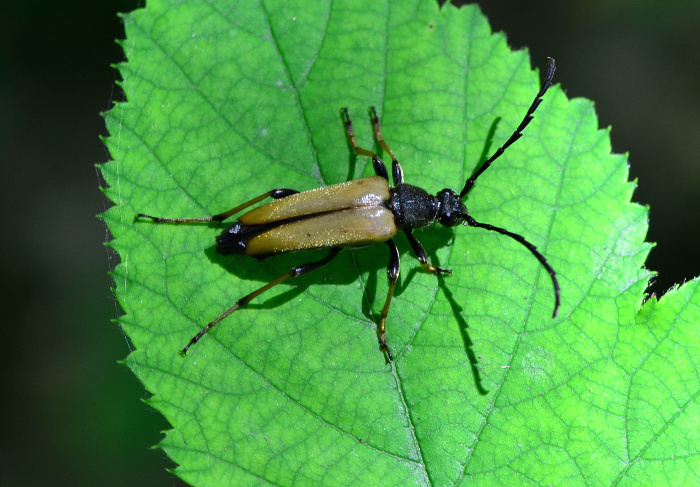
(354, 214)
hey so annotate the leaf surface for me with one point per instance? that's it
(225, 102)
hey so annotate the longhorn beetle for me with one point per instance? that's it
(354, 214)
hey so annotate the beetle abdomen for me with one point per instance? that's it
(234, 240)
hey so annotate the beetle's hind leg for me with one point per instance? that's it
(274, 194)
(377, 163)
(293, 272)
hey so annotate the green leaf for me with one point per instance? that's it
(227, 100)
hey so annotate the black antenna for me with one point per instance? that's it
(519, 238)
(518, 132)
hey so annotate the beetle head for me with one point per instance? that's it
(451, 211)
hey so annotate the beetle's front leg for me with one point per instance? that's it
(422, 256)
(393, 274)
(396, 170)
(377, 163)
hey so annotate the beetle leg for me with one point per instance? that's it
(422, 256)
(393, 274)
(274, 194)
(377, 164)
(396, 170)
(293, 272)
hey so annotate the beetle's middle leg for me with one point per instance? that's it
(393, 274)
(293, 272)
(422, 256)
(377, 163)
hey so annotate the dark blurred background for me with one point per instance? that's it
(71, 414)
(639, 61)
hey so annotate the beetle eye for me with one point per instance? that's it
(448, 219)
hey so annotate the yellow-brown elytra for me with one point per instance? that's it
(354, 214)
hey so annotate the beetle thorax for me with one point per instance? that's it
(413, 207)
